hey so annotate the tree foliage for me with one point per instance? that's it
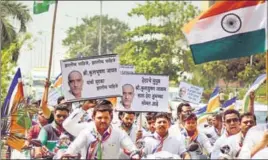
(7, 64)
(12, 9)
(158, 47)
(84, 38)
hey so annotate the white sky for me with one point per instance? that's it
(68, 12)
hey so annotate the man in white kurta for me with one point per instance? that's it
(255, 140)
(232, 126)
(161, 140)
(102, 141)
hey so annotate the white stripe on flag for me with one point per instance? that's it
(208, 29)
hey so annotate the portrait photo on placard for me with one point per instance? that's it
(146, 93)
(91, 77)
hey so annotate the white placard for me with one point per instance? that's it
(147, 93)
(91, 77)
(127, 69)
(190, 92)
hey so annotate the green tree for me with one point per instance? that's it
(159, 46)
(7, 64)
(12, 9)
(84, 38)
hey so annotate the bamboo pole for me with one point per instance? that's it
(44, 106)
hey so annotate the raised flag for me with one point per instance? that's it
(257, 83)
(10, 111)
(214, 101)
(14, 95)
(41, 6)
(56, 91)
(228, 29)
(229, 104)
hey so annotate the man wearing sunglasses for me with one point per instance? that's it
(235, 142)
(50, 133)
(232, 127)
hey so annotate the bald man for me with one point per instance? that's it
(128, 95)
(75, 81)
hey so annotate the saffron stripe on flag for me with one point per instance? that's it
(226, 6)
(13, 86)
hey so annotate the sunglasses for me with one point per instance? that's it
(232, 120)
(59, 116)
(250, 122)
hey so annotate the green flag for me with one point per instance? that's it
(24, 119)
(41, 6)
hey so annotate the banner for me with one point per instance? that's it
(190, 92)
(147, 93)
(91, 77)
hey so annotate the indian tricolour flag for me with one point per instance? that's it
(228, 29)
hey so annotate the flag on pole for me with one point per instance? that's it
(14, 95)
(214, 101)
(9, 109)
(56, 91)
(41, 6)
(228, 29)
(229, 104)
(257, 83)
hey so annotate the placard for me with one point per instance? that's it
(91, 77)
(190, 92)
(146, 93)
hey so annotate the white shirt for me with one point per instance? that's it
(234, 143)
(262, 154)
(71, 123)
(174, 130)
(172, 144)
(216, 152)
(110, 148)
(214, 135)
(253, 137)
(202, 139)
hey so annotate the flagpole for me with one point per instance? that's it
(45, 109)
(52, 39)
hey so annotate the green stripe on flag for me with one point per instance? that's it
(239, 45)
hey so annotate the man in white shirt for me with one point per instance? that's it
(79, 118)
(235, 142)
(215, 132)
(102, 141)
(232, 126)
(162, 141)
(182, 110)
(255, 140)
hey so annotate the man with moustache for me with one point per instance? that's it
(161, 140)
(50, 133)
(232, 125)
(235, 142)
(102, 141)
